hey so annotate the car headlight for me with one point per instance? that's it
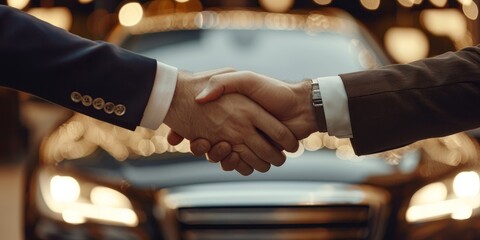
(457, 198)
(74, 202)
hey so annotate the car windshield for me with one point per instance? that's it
(288, 55)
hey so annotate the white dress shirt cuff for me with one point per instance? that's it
(335, 106)
(160, 97)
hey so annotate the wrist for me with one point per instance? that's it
(178, 100)
(303, 93)
(317, 105)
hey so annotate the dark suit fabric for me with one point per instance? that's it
(399, 104)
(51, 63)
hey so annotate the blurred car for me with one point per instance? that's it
(96, 181)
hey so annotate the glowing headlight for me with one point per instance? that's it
(75, 203)
(64, 189)
(466, 184)
(455, 198)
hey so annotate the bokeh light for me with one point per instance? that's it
(406, 3)
(19, 4)
(431, 193)
(470, 10)
(444, 22)
(130, 14)
(103, 196)
(323, 2)
(58, 16)
(439, 3)
(73, 217)
(462, 212)
(465, 2)
(277, 5)
(64, 189)
(409, 3)
(370, 4)
(466, 184)
(406, 44)
(85, 1)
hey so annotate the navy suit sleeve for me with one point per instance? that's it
(40, 59)
(400, 104)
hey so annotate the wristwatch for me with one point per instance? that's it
(317, 103)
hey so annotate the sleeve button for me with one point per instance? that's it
(87, 100)
(120, 110)
(98, 103)
(109, 107)
(76, 97)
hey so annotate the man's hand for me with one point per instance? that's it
(234, 119)
(290, 103)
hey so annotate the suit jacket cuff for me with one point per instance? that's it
(335, 106)
(160, 97)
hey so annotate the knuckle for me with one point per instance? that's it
(198, 148)
(221, 150)
(239, 148)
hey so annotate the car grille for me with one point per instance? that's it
(285, 211)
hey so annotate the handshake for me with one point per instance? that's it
(241, 119)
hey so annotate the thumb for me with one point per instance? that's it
(212, 92)
(232, 82)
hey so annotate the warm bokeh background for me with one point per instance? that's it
(426, 27)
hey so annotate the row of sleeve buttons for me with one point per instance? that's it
(98, 103)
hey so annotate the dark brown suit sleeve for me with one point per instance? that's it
(399, 104)
(43, 60)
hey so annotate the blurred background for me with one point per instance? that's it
(435, 26)
(407, 30)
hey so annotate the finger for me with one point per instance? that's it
(220, 151)
(174, 138)
(231, 162)
(244, 169)
(239, 82)
(250, 158)
(200, 146)
(276, 131)
(265, 151)
(240, 166)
